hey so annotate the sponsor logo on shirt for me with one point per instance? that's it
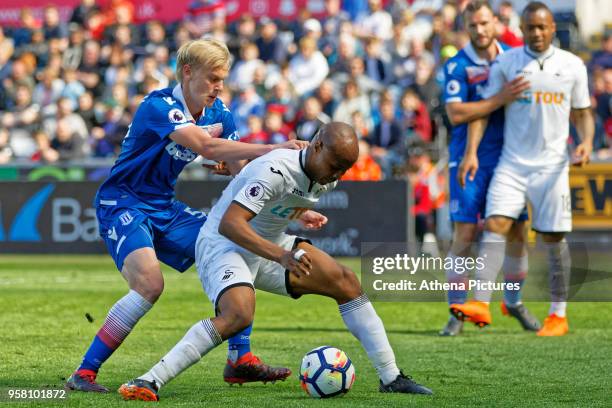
(477, 74)
(179, 152)
(542, 98)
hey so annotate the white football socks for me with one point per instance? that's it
(197, 342)
(362, 321)
(492, 250)
(559, 265)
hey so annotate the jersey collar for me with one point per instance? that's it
(177, 93)
(471, 53)
(540, 55)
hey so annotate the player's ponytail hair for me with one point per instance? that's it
(206, 53)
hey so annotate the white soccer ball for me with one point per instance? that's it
(326, 372)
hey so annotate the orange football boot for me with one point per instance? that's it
(554, 326)
(472, 311)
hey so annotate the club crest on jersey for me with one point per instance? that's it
(176, 116)
(126, 218)
(254, 191)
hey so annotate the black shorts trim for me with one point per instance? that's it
(225, 289)
(550, 232)
(287, 284)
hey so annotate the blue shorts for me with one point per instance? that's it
(126, 225)
(468, 204)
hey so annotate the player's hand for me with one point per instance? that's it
(218, 168)
(297, 262)
(513, 89)
(313, 220)
(469, 165)
(582, 154)
(292, 144)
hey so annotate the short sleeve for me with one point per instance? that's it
(496, 80)
(265, 185)
(164, 116)
(580, 92)
(230, 131)
(455, 82)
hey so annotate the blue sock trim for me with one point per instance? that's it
(96, 355)
(457, 296)
(240, 343)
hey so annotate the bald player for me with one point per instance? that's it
(244, 246)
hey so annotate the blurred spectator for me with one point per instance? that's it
(353, 100)
(387, 140)
(283, 99)
(6, 153)
(156, 37)
(80, 12)
(276, 130)
(87, 113)
(52, 26)
(246, 31)
(256, 133)
(376, 63)
(365, 168)
(310, 120)
(64, 110)
(148, 68)
(44, 152)
(268, 43)
(243, 71)
(246, 104)
(340, 59)
(48, 90)
(510, 18)
(21, 121)
(414, 118)
(307, 69)
(377, 23)
(202, 15)
(67, 143)
(325, 94)
(74, 53)
(359, 124)
(6, 52)
(90, 71)
(22, 35)
(602, 58)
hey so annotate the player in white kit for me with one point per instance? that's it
(243, 246)
(534, 164)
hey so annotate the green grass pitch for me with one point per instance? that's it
(44, 332)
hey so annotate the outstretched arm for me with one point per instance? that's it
(219, 149)
(463, 112)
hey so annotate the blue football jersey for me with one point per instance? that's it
(150, 162)
(466, 76)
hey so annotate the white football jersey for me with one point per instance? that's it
(275, 187)
(537, 124)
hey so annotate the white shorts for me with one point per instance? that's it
(225, 266)
(548, 192)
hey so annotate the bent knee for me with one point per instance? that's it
(347, 285)
(150, 289)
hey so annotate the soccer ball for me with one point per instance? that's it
(326, 372)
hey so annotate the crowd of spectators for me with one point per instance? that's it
(69, 90)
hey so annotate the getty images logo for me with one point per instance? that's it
(24, 227)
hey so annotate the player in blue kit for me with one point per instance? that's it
(140, 220)
(466, 76)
